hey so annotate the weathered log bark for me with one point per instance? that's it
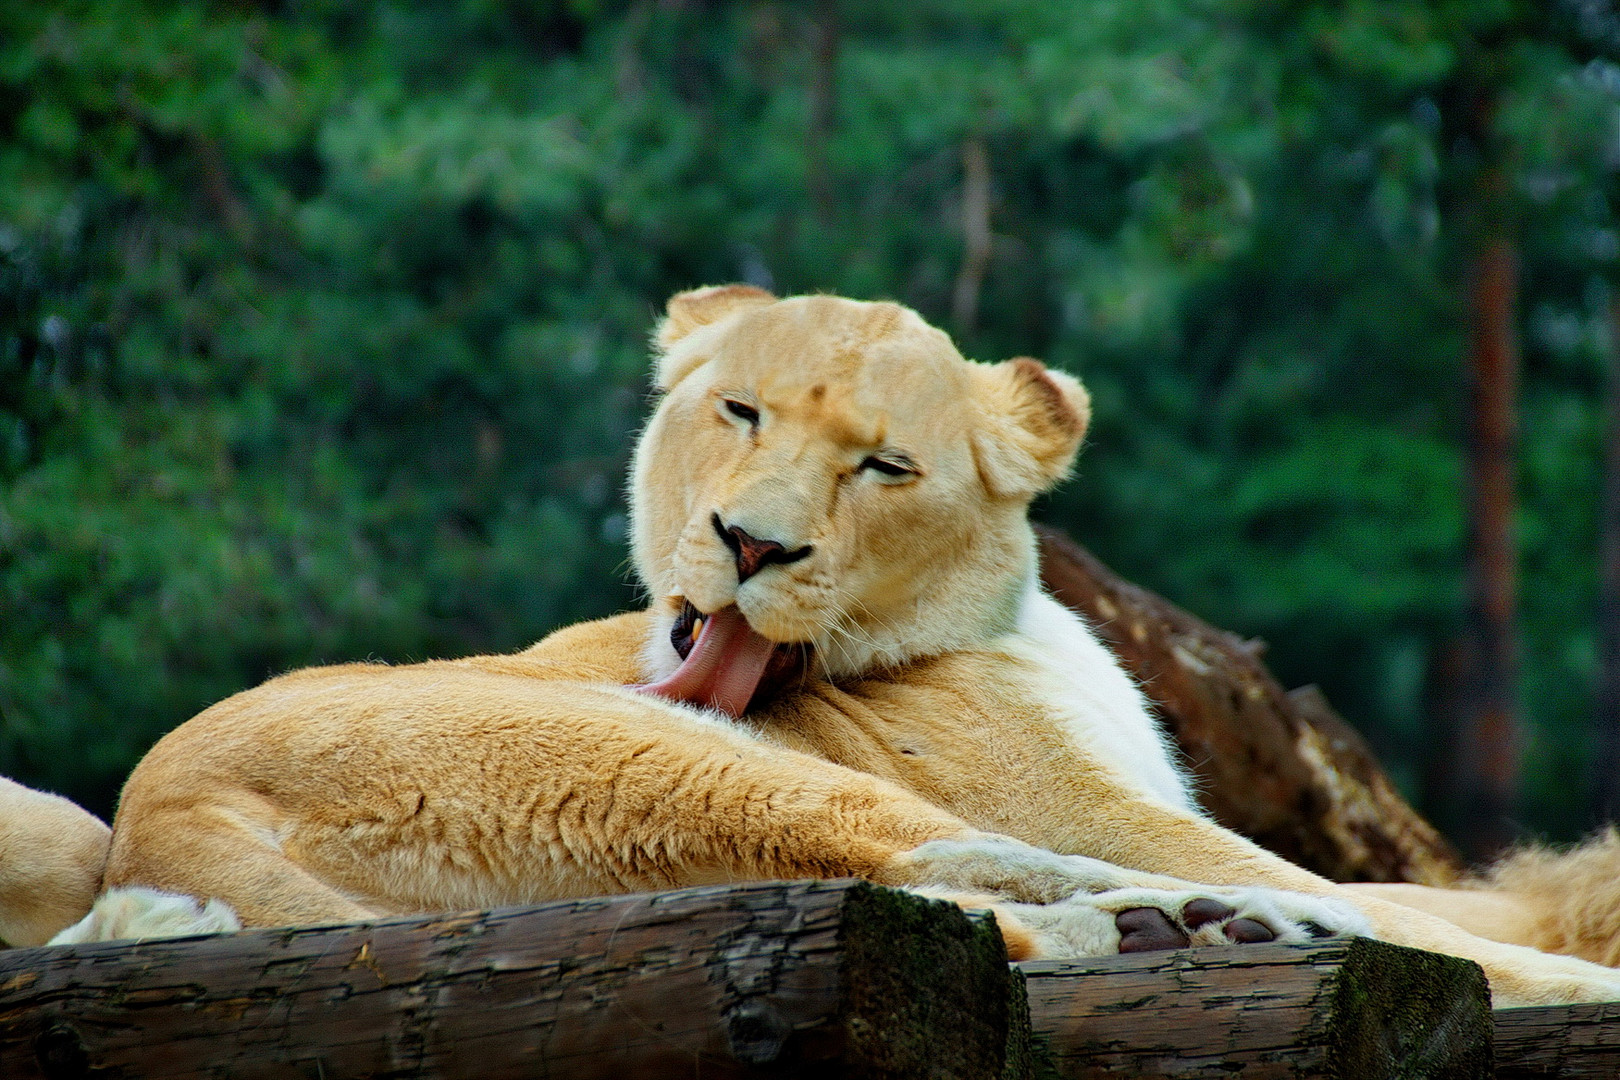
(1280, 767)
(778, 979)
(1566, 1042)
(1347, 1008)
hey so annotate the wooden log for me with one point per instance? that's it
(773, 979)
(1564, 1042)
(1350, 1008)
(1280, 767)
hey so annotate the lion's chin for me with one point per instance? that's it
(726, 665)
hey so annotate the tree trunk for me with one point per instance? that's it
(1342, 1008)
(976, 235)
(1606, 787)
(783, 979)
(823, 105)
(1479, 754)
(1485, 794)
(1282, 768)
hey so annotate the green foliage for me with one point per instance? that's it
(322, 326)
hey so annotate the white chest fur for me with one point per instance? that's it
(1096, 702)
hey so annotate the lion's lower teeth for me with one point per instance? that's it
(697, 631)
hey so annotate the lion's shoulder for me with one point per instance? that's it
(602, 650)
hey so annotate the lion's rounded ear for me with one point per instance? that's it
(689, 311)
(686, 311)
(1033, 421)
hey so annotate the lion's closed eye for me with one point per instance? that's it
(742, 411)
(896, 467)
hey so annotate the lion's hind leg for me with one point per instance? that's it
(52, 854)
(1553, 900)
(202, 869)
(1487, 913)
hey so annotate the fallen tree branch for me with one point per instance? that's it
(1280, 767)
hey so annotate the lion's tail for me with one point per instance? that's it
(1572, 895)
(52, 857)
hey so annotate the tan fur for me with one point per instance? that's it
(1557, 901)
(51, 858)
(1575, 896)
(959, 734)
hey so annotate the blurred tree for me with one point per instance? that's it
(1595, 25)
(321, 326)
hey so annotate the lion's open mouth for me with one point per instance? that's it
(725, 664)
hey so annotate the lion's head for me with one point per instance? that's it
(830, 479)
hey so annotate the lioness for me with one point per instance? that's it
(847, 668)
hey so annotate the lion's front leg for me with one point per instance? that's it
(1052, 905)
(993, 864)
(1162, 837)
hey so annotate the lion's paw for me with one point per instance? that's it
(142, 913)
(1227, 917)
(1143, 920)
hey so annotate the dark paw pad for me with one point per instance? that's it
(1248, 931)
(1203, 911)
(1147, 930)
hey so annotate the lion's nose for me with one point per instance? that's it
(751, 553)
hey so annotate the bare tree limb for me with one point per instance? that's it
(1279, 767)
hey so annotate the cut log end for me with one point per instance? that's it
(1404, 1012)
(925, 982)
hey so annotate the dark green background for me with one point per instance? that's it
(322, 325)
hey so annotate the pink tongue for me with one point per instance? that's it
(724, 667)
